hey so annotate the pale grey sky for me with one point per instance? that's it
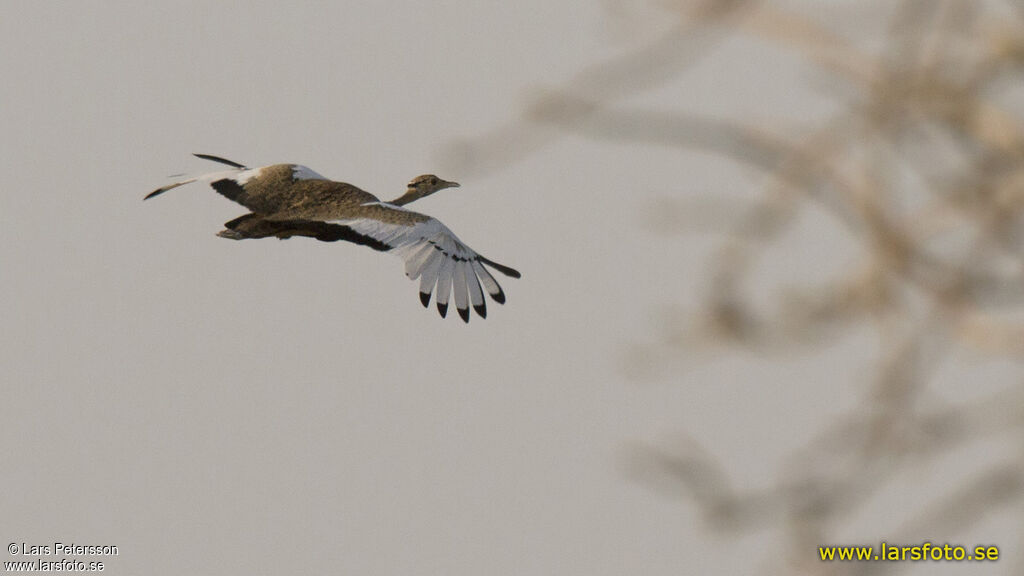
(289, 407)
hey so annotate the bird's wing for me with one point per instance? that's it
(209, 178)
(266, 187)
(433, 254)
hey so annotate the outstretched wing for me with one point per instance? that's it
(434, 255)
(264, 189)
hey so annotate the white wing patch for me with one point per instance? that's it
(300, 172)
(434, 255)
(243, 176)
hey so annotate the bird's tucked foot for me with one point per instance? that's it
(230, 234)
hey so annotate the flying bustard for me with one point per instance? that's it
(291, 200)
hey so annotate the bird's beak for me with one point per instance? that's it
(451, 184)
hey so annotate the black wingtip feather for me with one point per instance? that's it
(499, 297)
(425, 298)
(156, 192)
(442, 309)
(219, 159)
(481, 310)
(464, 314)
(511, 272)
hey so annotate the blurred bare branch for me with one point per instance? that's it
(658, 62)
(922, 163)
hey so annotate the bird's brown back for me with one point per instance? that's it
(275, 190)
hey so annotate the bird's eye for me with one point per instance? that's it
(433, 181)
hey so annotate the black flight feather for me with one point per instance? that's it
(500, 268)
(219, 159)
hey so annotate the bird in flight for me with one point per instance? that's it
(288, 200)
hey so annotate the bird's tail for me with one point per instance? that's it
(205, 177)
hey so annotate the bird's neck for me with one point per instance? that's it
(410, 195)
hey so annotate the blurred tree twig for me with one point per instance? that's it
(940, 262)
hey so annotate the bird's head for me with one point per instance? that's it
(427, 184)
(422, 186)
